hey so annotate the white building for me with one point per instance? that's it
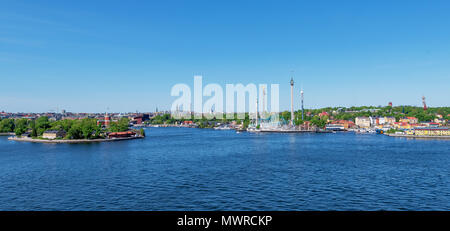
(362, 122)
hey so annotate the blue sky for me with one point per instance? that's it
(86, 56)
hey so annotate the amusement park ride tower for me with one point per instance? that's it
(424, 103)
(292, 101)
(301, 95)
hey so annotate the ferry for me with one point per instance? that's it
(334, 127)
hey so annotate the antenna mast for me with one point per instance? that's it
(424, 103)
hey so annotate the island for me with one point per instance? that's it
(86, 130)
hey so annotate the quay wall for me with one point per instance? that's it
(419, 137)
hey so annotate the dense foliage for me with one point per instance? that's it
(75, 129)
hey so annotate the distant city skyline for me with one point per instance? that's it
(88, 56)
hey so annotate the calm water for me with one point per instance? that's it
(195, 169)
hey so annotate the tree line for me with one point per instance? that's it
(335, 113)
(86, 128)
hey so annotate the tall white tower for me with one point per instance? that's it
(256, 122)
(263, 100)
(301, 93)
(292, 101)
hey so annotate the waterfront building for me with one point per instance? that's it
(362, 122)
(345, 123)
(53, 134)
(139, 119)
(381, 120)
(187, 123)
(430, 124)
(430, 131)
(121, 134)
(306, 126)
(373, 120)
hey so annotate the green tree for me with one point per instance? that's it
(318, 121)
(124, 124)
(7, 125)
(75, 132)
(286, 115)
(32, 125)
(121, 126)
(21, 126)
(42, 124)
(88, 128)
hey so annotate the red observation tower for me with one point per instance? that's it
(424, 104)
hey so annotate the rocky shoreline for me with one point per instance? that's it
(27, 139)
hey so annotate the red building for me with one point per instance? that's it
(106, 121)
(324, 113)
(346, 123)
(306, 125)
(121, 134)
(138, 119)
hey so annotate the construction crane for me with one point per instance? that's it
(424, 104)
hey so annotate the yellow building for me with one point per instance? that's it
(389, 120)
(411, 120)
(432, 132)
(53, 134)
(402, 125)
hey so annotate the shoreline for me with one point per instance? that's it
(291, 131)
(418, 137)
(14, 138)
(7, 134)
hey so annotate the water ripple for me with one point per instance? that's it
(194, 169)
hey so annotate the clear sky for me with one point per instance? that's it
(86, 56)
